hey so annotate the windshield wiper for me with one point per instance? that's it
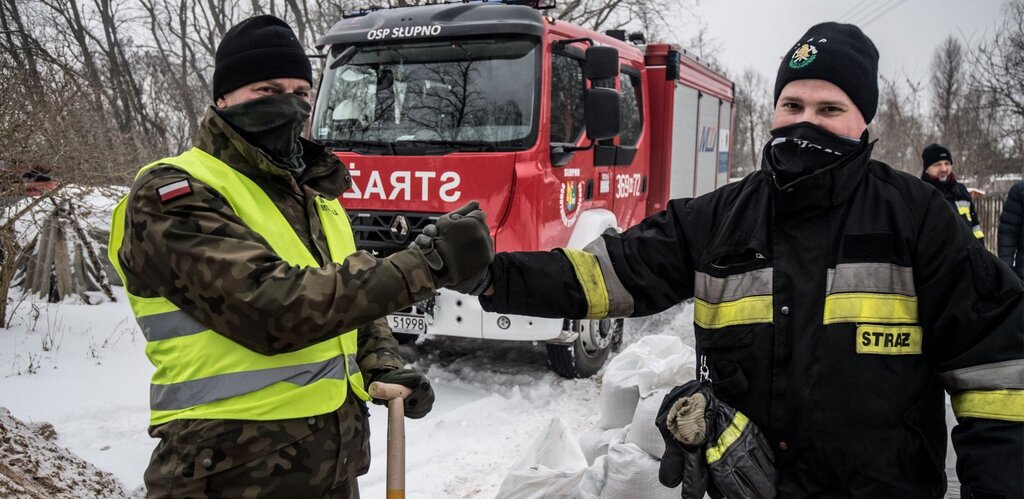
(460, 145)
(350, 144)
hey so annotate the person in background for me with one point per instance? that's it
(264, 323)
(835, 300)
(938, 171)
(1010, 238)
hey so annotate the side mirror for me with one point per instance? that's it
(601, 108)
(601, 63)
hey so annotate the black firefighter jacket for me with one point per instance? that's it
(834, 313)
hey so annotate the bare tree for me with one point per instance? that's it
(948, 87)
(900, 125)
(753, 119)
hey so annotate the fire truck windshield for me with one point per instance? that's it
(472, 95)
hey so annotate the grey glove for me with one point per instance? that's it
(420, 402)
(704, 436)
(458, 247)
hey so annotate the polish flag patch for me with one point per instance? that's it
(174, 190)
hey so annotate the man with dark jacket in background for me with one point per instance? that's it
(835, 299)
(1011, 230)
(263, 321)
(938, 171)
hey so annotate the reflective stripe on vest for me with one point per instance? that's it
(201, 374)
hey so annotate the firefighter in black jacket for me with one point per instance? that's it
(938, 171)
(835, 298)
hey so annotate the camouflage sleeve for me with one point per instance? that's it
(378, 349)
(197, 253)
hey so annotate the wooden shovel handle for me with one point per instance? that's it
(389, 391)
(395, 395)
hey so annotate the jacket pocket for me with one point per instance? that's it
(250, 441)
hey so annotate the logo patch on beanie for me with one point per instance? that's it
(803, 55)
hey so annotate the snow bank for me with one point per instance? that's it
(31, 466)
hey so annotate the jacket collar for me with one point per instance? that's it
(826, 187)
(324, 174)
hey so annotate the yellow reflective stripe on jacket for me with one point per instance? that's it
(1004, 405)
(727, 438)
(978, 233)
(870, 307)
(734, 300)
(201, 374)
(870, 292)
(964, 208)
(588, 273)
(751, 310)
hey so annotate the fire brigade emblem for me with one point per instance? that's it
(569, 201)
(803, 55)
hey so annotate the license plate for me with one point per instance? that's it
(406, 323)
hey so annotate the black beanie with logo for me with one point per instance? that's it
(840, 54)
(934, 153)
(256, 49)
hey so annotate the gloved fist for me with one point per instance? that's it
(705, 437)
(458, 247)
(416, 405)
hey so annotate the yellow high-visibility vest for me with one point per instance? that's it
(201, 374)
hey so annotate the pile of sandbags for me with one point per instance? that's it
(621, 457)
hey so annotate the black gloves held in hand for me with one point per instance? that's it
(419, 403)
(708, 441)
(458, 248)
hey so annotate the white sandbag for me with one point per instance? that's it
(631, 472)
(619, 396)
(595, 441)
(654, 362)
(642, 430)
(553, 466)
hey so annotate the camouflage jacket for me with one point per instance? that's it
(196, 252)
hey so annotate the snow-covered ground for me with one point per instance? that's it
(83, 369)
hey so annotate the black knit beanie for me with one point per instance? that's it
(934, 153)
(256, 49)
(840, 54)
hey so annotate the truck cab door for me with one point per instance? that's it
(572, 164)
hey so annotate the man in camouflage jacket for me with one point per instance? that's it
(183, 242)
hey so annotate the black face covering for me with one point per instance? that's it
(804, 148)
(272, 124)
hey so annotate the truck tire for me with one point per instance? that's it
(588, 352)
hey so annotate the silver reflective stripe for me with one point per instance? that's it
(620, 302)
(353, 365)
(169, 325)
(871, 278)
(179, 396)
(963, 204)
(724, 289)
(1006, 375)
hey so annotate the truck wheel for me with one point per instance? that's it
(405, 338)
(585, 356)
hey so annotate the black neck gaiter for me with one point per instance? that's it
(274, 125)
(803, 148)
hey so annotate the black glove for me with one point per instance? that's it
(738, 455)
(458, 247)
(683, 464)
(723, 444)
(419, 403)
(475, 285)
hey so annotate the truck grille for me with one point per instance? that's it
(385, 232)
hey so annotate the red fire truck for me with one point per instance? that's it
(561, 133)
